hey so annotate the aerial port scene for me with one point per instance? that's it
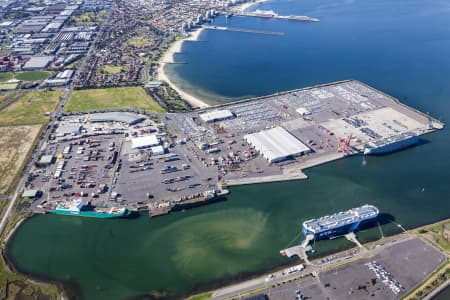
(224, 149)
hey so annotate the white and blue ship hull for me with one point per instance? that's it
(337, 231)
(392, 147)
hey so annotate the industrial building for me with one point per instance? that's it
(31, 194)
(45, 160)
(145, 141)
(276, 144)
(38, 62)
(121, 117)
(303, 111)
(68, 129)
(157, 150)
(216, 115)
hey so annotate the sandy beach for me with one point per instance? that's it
(247, 5)
(168, 57)
(176, 47)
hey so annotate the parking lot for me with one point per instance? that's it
(403, 264)
(96, 161)
(407, 263)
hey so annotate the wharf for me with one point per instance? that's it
(166, 207)
(276, 16)
(288, 174)
(224, 28)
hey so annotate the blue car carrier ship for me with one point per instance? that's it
(339, 223)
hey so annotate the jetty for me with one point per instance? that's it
(224, 28)
(270, 14)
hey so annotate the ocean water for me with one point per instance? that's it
(400, 47)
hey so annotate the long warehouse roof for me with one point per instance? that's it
(145, 141)
(216, 115)
(276, 144)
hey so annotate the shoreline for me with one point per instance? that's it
(176, 47)
(247, 5)
(72, 288)
(168, 57)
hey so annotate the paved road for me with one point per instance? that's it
(263, 282)
(42, 139)
(34, 157)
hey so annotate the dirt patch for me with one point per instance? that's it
(15, 143)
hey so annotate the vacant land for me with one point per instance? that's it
(28, 107)
(438, 233)
(138, 41)
(8, 86)
(25, 76)
(127, 97)
(15, 143)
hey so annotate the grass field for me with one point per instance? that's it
(15, 142)
(112, 69)
(33, 75)
(138, 41)
(25, 76)
(90, 18)
(126, 97)
(30, 108)
(5, 76)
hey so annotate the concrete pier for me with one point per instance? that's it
(276, 16)
(242, 30)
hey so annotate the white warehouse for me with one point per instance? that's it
(145, 141)
(216, 115)
(276, 144)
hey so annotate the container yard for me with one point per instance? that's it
(175, 161)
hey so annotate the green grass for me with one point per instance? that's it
(5, 76)
(204, 296)
(90, 18)
(138, 41)
(30, 108)
(125, 97)
(112, 69)
(25, 76)
(33, 75)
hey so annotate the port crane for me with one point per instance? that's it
(344, 144)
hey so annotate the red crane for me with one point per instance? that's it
(344, 144)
